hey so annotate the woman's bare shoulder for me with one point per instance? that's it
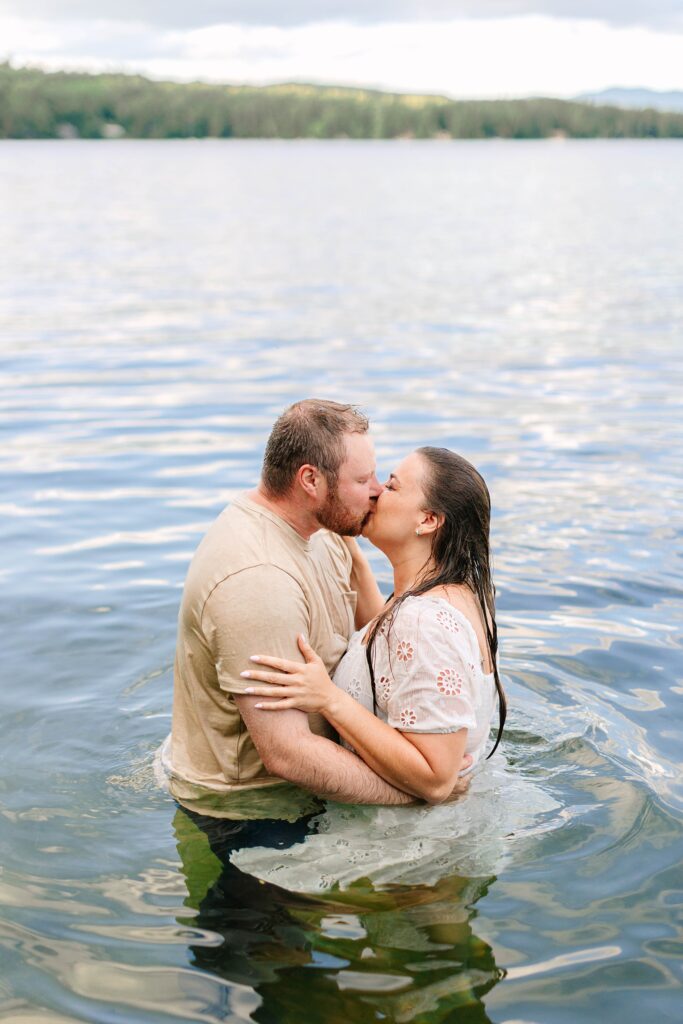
(460, 596)
(464, 600)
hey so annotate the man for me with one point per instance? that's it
(271, 567)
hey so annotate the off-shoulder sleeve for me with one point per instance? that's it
(432, 664)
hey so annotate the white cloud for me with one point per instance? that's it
(199, 13)
(91, 41)
(506, 56)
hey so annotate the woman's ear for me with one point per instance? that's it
(431, 522)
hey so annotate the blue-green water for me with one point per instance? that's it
(519, 302)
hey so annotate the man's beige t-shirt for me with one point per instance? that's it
(253, 585)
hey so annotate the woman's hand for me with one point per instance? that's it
(307, 687)
(369, 600)
(354, 550)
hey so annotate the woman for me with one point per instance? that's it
(415, 692)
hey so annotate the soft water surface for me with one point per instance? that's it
(161, 302)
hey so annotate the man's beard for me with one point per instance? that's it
(335, 516)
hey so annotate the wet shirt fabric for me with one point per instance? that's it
(429, 676)
(253, 585)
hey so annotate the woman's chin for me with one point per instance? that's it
(366, 530)
(369, 531)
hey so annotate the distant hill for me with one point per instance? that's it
(39, 105)
(635, 99)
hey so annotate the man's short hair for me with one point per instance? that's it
(309, 432)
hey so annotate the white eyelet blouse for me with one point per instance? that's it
(429, 676)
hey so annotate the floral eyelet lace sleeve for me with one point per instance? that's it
(436, 679)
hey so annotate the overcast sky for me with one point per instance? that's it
(456, 47)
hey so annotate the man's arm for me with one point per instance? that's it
(290, 750)
(264, 602)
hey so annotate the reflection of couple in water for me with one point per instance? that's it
(359, 954)
(268, 614)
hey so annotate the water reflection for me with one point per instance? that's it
(525, 319)
(358, 954)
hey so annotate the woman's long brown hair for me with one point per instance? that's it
(460, 551)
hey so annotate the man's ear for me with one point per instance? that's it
(309, 479)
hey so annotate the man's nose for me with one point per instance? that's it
(376, 488)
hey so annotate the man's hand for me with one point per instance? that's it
(462, 783)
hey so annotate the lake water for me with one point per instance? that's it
(522, 302)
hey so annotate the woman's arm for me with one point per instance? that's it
(424, 764)
(289, 749)
(370, 601)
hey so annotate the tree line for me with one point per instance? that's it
(40, 105)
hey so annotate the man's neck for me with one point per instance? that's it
(299, 519)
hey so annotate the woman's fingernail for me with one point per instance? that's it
(258, 705)
(245, 675)
(304, 638)
(249, 689)
(255, 657)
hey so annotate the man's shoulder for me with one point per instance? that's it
(249, 545)
(231, 543)
(250, 548)
(243, 535)
(331, 545)
(260, 587)
(332, 558)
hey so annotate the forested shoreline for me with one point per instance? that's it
(39, 105)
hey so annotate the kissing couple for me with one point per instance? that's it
(290, 665)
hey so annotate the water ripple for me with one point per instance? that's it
(520, 303)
